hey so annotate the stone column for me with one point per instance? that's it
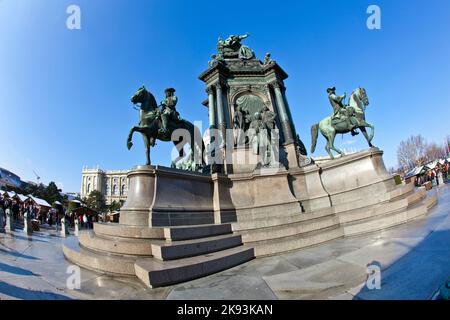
(289, 114)
(222, 123)
(220, 111)
(284, 118)
(9, 220)
(211, 107)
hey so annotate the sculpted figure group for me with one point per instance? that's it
(255, 128)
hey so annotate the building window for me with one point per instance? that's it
(124, 191)
(88, 188)
(115, 190)
(108, 189)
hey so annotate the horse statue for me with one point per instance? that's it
(356, 108)
(151, 125)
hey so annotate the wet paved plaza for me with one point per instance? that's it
(414, 260)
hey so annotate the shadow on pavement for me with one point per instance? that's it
(16, 270)
(17, 254)
(27, 294)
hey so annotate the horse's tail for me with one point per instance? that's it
(314, 136)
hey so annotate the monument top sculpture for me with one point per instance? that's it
(233, 48)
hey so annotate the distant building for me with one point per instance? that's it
(112, 184)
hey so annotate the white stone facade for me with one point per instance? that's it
(112, 184)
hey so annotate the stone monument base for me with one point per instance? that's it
(177, 225)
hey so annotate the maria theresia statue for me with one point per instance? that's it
(160, 122)
(345, 119)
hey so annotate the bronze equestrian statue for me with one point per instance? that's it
(160, 122)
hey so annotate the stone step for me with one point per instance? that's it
(290, 229)
(370, 212)
(265, 212)
(280, 245)
(128, 231)
(196, 232)
(156, 273)
(378, 223)
(402, 191)
(374, 192)
(168, 250)
(416, 196)
(431, 200)
(117, 245)
(383, 208)
(369, 201)
(276, 221)
(111, 264)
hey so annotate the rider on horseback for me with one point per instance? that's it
(340, 111)
(168, 110)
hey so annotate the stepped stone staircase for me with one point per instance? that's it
(270, 235)
(158, 256)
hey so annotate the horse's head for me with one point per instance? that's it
(145, 99)
(140, 96)
(362, 95)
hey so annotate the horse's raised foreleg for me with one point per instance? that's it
(130, 137)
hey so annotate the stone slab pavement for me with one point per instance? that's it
(414, 259)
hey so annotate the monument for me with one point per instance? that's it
(250, 190)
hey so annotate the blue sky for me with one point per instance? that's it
(64, 94)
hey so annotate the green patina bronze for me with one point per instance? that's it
(233, 48)
(160, 122)
(345, 119)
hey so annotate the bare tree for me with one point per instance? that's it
(412, 152)
(435, 152)
(447, 146)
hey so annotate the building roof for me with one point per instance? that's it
(85, 210)
(22, 197)
(414, 172)
(40, 202)
(432, 165)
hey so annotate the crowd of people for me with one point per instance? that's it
(437, 176)
(50, 217)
